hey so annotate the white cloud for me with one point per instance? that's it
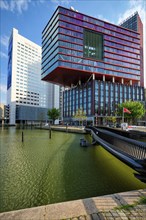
(3, 88)
(17, 5)
(101, 17)
(3, 55)
(3, 93)
(61, 2)
(134, 5)
(4, 41)
(4, 5)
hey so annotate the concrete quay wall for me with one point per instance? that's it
(70, 129)
(96, 208)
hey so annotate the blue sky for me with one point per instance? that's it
(31, 16)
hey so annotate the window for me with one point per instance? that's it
(93, 45)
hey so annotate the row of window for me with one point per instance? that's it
(53, 54)
(50, 63)
(97, 70)
(97, 64)
(121, 52)
(117, 40)
(70, 39)
(48, 54)
(50, 24)
(26, 91)
(70, 52)
(31, 50)
(49, 70)
(124, 64)
(89, 69)
(71, 33)
(49, 39)
(120, 46)
(51, 46)
(122, 58)
(122, 93)
(97, 22)
(136, 72)
(26, 103)
(96, 28)
(71, 26)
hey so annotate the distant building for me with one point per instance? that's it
(4, 114)
(28, 97)
(99, 64)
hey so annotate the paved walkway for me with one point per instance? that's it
(74, 129)
(97, 208)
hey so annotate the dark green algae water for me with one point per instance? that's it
(41, 171)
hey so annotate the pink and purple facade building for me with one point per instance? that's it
(100, 63)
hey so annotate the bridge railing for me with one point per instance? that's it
(132, 148)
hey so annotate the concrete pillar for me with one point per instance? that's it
(113, 79)
(138, 83)
(122, 81)
(93, 76)
(131, 82)
(104, 78)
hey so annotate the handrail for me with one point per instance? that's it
(132, 148)
(133, 153)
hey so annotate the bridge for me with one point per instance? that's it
(129, 151)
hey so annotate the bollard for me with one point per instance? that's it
(22, 137)
(50, 133)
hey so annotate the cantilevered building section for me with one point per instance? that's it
(99, 62)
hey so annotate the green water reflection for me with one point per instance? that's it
(42, 170)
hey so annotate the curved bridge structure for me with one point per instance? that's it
(130, 151)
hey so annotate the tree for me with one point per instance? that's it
(53, 114)
(136, 108)
(80, 115)
(113, 119)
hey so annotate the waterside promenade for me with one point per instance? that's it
(109, 207)
(66, 128)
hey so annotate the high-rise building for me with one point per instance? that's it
(28, 97)
(134, 23)
(100, 63)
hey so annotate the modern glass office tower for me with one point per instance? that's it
(28, 97)
(99, 62)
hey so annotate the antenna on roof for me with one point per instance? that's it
(72, 8)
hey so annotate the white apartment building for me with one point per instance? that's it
(28, 97)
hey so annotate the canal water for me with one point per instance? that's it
(41, 171)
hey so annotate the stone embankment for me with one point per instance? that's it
(119, 206)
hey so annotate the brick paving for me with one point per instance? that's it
(96, 208)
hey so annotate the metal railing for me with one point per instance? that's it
(129, 147)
